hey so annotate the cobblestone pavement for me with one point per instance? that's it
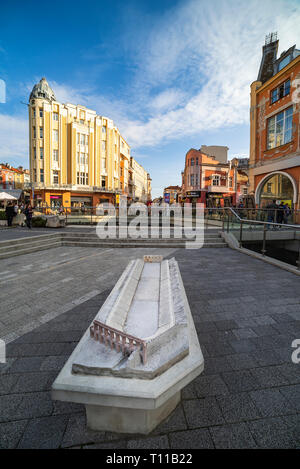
(246, 312)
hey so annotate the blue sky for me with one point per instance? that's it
(172, 74)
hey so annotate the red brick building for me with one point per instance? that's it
(274, 127)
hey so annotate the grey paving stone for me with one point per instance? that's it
(26, 364)
(244, 333)
(216, 365)
(35, 404)
(157, 442)
(53, 363)
(241, 361)
(176, 421)
(226, 325)
(210, 385)
(243, 346)
(271, 403)
(269, 376)
(239, 381)
(235, 436)
(267, 357)
(238, 407)
(218, 348)
(189, 392)
(77, 432)
(10, 433)
(60, 407)
(120, 444)
(292, 394)
(202, 412)
(32, 382)
(290, 372)
(44, 433)
(7, 382)
(192, 439)
(273, 433)
(9, 404)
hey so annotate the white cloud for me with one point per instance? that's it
(213, 49)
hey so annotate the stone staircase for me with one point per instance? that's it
(16, 247)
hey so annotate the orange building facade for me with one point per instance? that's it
(211, 182)
(274, 127)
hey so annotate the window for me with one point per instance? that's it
(34, 132)
(33, 112)
(280, 128)
(78, 137)
(104, 129)
(197, 161)
(41, 153)
(103, 181)
(41, 175)
(55, 116)
(245, 191)
(82, 158)
(55, 155)
(55, 177)
(269, 188)
(86, 139)
(41, 132)
(78, 180)
(77, 157)
(230, 181)
(34, 153)
(103, 163)
(192, 180)
(197, 180)
(281, 91)
(41, 112)
(284, 62)
(104, 145)
(34, 175)
(215, 180)
(82, 139)
(86, 158)
(55, 135)
(192, 161)
(81, 121)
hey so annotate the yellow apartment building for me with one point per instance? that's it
(76, 156)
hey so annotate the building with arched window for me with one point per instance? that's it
(275, 127)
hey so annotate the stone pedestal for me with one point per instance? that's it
(128, 420)
(128, 394)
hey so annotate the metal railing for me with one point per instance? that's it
(232, 217)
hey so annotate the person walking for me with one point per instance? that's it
(280, 213)
(9, 211)
(28, 215)
(271, 208)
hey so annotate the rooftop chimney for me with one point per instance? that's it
(269, 55)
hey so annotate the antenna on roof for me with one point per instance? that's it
(271, 37)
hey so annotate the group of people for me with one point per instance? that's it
(278, 213)
(13, 210)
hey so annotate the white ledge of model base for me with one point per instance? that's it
(138, 354)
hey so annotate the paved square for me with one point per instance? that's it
(246, 312)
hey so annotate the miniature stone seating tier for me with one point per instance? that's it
(139, 352)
